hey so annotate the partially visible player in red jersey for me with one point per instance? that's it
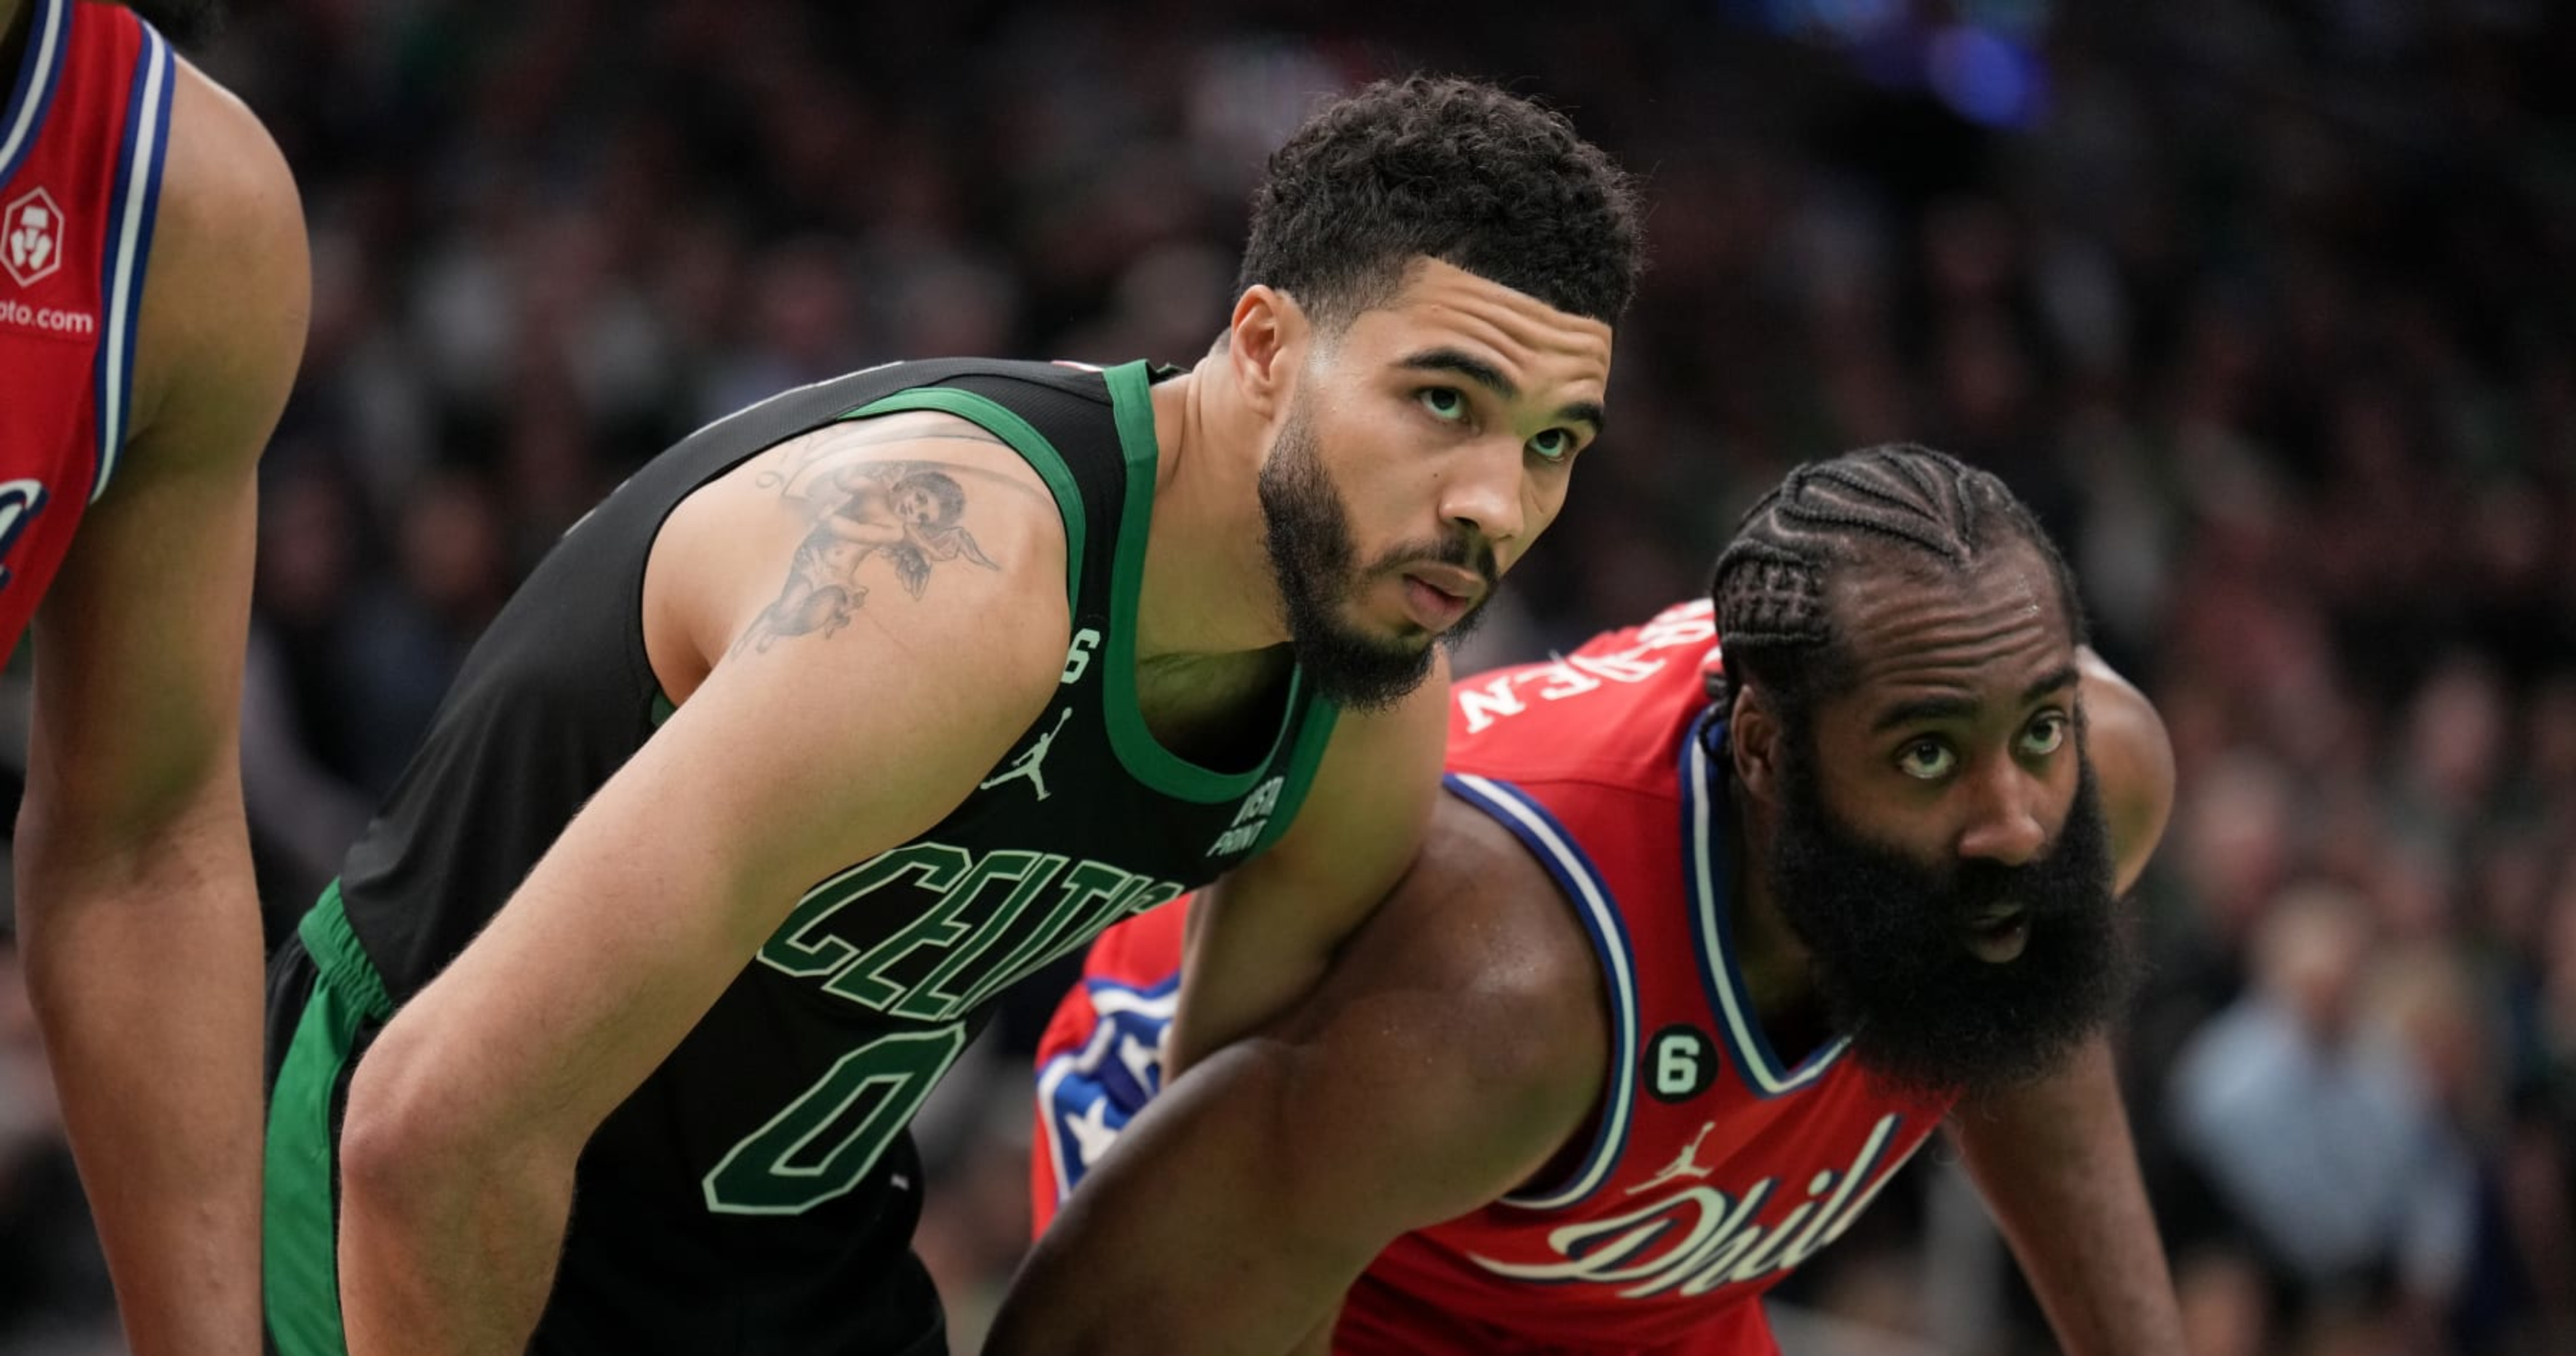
(1692, 962)
(153, 297)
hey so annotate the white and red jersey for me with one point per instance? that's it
(1713, 1167)
(82, 139)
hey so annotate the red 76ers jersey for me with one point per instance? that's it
(1714, 1166)
(82, 137)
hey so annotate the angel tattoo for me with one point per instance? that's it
(904, 511)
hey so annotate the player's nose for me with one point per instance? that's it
(2004, 818)
(1482, 491)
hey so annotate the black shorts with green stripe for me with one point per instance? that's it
(325, 1006)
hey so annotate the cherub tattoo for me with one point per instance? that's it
(904, 511)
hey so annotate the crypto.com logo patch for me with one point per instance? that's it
(31, 238)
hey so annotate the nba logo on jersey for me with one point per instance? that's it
(31, 236)
(1250, 819)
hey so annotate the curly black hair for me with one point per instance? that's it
(1899, 504)
(1448, 169)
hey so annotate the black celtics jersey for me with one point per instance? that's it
(756, 1194)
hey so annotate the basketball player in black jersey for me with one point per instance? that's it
(880, 694)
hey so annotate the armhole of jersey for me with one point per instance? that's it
(1144, 757)
(32, 85)
(1590, 898)
(1024, 439)
(132, 209)
(1739, 1027)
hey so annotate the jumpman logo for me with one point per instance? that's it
(1685, 1166)
(1026, 765)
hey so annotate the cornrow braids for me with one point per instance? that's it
(1889, 503)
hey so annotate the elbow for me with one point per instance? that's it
(383, 1152)
(404, 1142)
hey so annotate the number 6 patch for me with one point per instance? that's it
(1681, 1061)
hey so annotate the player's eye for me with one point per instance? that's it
(1445, 402)
(2046, 735)
(1926, 760)
(1555, 445)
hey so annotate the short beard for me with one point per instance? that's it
(1307, 533)
(188, 23)
(1923, 1013)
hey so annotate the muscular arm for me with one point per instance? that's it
(2133, 760)
(1263, 935)
(2056, 1166)
(467, 1115)
(1460, 1039)
(2054, 1159)
(135, 903)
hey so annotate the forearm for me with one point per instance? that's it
(1067, 1303)
(1185, 1236)
(452, 1257)
(2057, 1167)
(144, 969)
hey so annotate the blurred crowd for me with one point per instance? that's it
(2268, 308)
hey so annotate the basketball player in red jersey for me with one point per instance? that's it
(1694, 959)
(153, 293)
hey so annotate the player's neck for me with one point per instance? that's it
(16, 18)
(1208, 598)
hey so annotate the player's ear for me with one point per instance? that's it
(1266, 342)
(1753, 741)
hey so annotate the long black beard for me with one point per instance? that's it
(1307, 533)
(1890, 965)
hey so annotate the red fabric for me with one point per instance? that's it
(59, 225)
(1704, 1197)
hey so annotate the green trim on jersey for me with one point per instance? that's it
(663, 706)
(1300, 772)
(1131, 394)
(1032, 446)
(300, 1272)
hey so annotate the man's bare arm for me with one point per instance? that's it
(135, 903)
(1265, 933)
(467, 1115)
(2133, 758)
(2057, 1168)
(1460, 1040)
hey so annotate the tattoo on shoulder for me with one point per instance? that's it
(903, 514)
(828, 450)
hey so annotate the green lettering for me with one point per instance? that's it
(926, 1003)
(862, 980)
(788, 950)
